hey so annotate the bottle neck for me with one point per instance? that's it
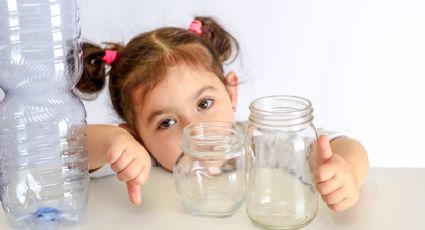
(281, 112)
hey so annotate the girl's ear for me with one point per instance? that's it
(232, 88)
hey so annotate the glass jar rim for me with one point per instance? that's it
(281, 111)
(236, 143)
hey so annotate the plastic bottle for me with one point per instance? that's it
(43, 157)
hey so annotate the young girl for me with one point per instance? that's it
(167, 78)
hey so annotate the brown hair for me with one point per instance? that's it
(145, 60)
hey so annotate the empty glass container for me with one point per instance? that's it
(210, 173)
(281, 192)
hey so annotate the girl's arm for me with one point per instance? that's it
(98, 141)
(127, 157)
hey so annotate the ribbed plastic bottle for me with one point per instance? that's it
(44, 179)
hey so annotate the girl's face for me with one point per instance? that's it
(186, 95)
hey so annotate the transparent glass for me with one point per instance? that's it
(210, 173)
(281, 192)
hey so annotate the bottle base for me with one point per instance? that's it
(45, 218)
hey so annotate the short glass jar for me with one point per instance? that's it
(280, 191)
(210, 174)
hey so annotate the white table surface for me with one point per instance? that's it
(391, 199)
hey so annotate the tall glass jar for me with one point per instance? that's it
(210, 174)
(281, 192)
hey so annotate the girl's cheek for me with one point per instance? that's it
(171, 151)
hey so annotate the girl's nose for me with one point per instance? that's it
(190, 119)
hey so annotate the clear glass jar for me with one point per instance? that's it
(281, 192)
(210, 174)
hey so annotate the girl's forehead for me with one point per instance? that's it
(184, 80)
(190, 70)
(180, 81)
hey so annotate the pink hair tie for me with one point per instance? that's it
(110, 56)
(196, 27)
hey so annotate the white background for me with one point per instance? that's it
(361, 62)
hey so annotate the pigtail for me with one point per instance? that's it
(93, 76)
(221, 41)
(94, 68)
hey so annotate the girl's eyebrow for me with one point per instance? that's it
(203, 89)
(154, 114)
(158, 112)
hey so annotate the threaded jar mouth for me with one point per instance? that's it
(213, 139)
(281, 111)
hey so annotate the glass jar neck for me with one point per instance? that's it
(281, 112)
(212, 139)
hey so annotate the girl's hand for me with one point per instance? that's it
(335, 178)
(130, 160)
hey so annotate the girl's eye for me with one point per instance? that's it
(205, 104)
(167, 123)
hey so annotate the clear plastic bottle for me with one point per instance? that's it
(43, 157)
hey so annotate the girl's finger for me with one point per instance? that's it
(134, 193)
(132, 170)
(122, 162)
